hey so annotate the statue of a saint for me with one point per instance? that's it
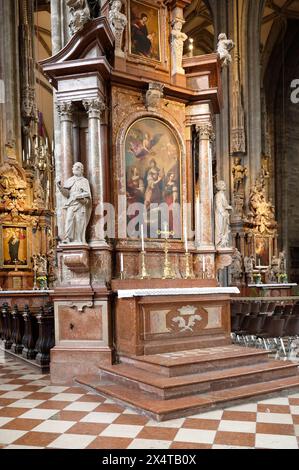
(177, 43)
(222, 213)
(236, 267)
(239, 173)
(249, 263)
(78, 206)
(118, 22)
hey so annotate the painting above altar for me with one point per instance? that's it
(153, 178)
(144, 30)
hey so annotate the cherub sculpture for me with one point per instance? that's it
(224, 47)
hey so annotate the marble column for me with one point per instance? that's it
(204, 191)
(65, 110)
(95, 108)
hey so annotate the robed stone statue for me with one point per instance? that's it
(78, 206)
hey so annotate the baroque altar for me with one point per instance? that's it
(144, 191)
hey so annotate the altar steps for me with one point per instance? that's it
(197, 360)
(166, 386)
(163, 410)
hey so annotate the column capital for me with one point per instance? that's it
(205, 130)
(65, 110)
(94, 107)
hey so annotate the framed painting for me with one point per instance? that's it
(144, 31)
(153, 178)
(262, 251)
(14, 246)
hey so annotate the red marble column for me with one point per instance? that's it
(65, 111)
(96, 165)
(204, 191)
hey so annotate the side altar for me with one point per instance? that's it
(143, 231)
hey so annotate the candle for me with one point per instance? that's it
(121, 263)
(166, 229)
(23, 155)
(29, 147)
(142, 239)
(186, 239)
(203, 264)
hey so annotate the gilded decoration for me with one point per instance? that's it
(261, 215)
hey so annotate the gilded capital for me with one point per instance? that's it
(94, 107)
(65, 110)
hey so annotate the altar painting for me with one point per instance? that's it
(14, 247)
(153, 176)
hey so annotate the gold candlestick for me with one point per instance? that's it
(122, 274)
(167, 271)
(144, 274)
(188, 274)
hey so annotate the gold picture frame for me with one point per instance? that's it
(14, 246)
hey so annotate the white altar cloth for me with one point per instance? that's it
(129, 293)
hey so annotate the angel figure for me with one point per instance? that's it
(223, 47)
(141, 145)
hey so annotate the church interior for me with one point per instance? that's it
(149, 230)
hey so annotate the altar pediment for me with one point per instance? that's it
(89, 50)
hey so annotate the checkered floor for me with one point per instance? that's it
(35, 415)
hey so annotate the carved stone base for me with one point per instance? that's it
(73, 262)
(82, 333)
(68, 363)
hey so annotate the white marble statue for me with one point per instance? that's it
(222, 213)
(177, 44)
(224, 47)
(80, 14)
(78, 206)
(118, 22)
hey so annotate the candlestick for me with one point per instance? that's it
(186, 239)
(188, 271)
(167, 271)
(142, 238)
(121, 263)
(144, 274)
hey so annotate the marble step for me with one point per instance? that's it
(163, 410)
(171, 387)
(161, 346)
(197, 360)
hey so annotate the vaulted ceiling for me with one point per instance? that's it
(199, 27)
(277, 11)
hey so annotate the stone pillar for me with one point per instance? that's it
(204, 191)
(65, 110)
(96, 165)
